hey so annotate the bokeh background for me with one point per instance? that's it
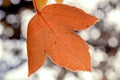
(103, 39)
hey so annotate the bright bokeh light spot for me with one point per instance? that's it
(8, 32)
(11, 18)
(113, 17)
(111, 75)
(112, 42)
(84, 34)
(87, 5)
(117, 65)
(84, 75)
(116, 62)
(70, 76)
(15, 2)
(95, 33)
(97, 74)
(25, 15)
(98, 56)
(46, 73)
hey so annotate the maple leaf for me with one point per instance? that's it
(51, 31)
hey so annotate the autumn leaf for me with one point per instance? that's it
(51, 32)
(59, 1)
(39, 4)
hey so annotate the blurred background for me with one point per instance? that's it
(103, 39)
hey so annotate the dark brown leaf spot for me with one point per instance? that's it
(55, 42)
(44, 50)
(87, 26)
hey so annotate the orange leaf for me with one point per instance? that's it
(51, 32)
(39, 4)
(59, 1)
